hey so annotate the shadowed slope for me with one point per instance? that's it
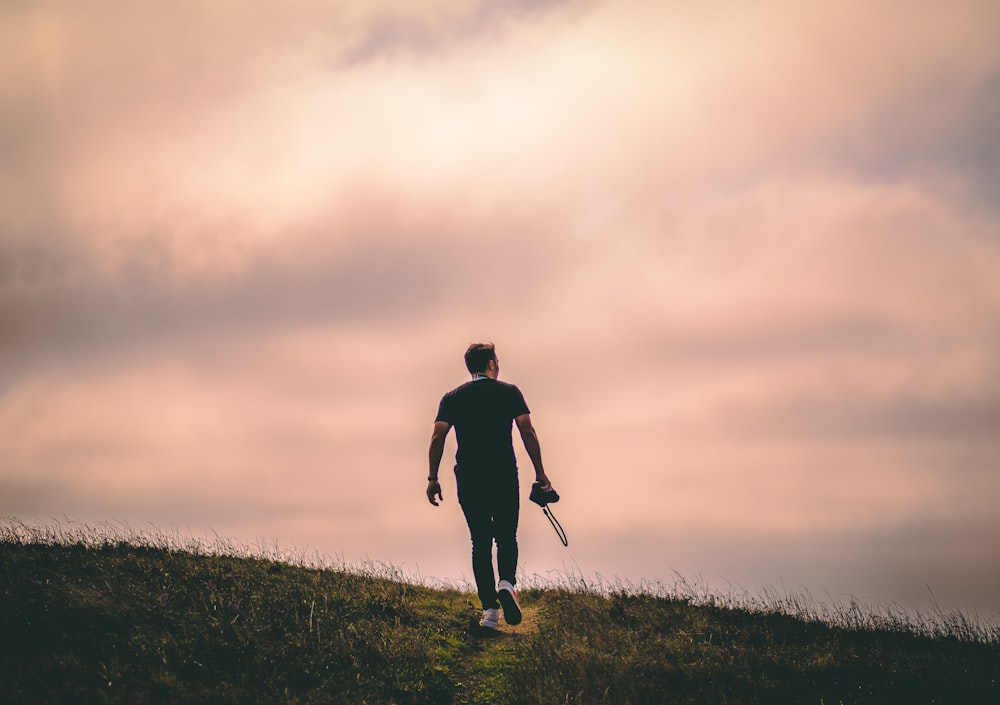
(114, 622)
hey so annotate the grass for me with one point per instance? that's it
(110, 615)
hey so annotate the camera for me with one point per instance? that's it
(542, 497)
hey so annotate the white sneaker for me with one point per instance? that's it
(508, 600)
(490, 618)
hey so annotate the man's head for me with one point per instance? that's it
(478, 357)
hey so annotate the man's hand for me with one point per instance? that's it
(434, 492)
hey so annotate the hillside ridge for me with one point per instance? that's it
(115, 622)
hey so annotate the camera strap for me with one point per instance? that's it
(555, 525)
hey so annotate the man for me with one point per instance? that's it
(482, 412)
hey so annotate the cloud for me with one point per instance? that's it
(744, 261)
(401, 34)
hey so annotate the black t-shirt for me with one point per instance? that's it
(482, 412)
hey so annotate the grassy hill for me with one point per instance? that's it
(95, 618)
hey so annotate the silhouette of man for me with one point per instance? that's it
(483, 411)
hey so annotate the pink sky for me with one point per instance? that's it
(742, 259)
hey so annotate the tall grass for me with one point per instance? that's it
(112, 614)
(850, 614)
(109, 613)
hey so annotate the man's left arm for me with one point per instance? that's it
(435, 453)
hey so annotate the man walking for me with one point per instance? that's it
(482, 412)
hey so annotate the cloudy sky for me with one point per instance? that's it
(743, 259)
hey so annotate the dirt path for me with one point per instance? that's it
(527, 627)
(490, 650)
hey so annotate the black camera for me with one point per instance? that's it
(542, 497)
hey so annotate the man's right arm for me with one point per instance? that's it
(531, 445)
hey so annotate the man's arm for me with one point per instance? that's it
(530, 438)
(438, 434)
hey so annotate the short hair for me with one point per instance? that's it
(478, 355)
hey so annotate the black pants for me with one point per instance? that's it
(491, 505)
